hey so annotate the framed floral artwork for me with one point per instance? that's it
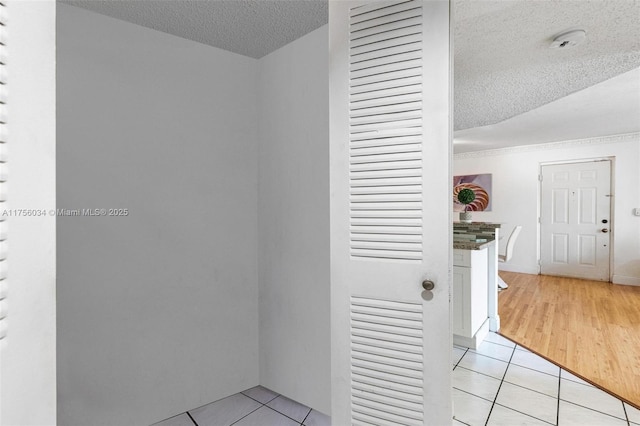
(480, 185)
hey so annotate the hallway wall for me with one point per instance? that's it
(158, 310)
(295, 355)
(516, 195)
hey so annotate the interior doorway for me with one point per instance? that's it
(575, 219)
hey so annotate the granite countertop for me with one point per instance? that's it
(471, 245)
(470, 235)
(476, 225)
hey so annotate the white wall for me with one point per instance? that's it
(294, 221)
(516, 195)
(28, 352)
(158, 311)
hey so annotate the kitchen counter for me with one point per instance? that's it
(471, 237)
(470, 297)
(471, 245)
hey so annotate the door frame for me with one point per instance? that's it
(612, 165)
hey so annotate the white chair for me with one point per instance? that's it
(508, 253)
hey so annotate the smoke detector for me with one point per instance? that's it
(568, 39)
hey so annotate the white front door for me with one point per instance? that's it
(390, 212)
(575, 220)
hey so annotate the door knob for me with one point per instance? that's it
(605, 230)
(428, 285)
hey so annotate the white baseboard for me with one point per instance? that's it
(621, 279)
(474, 341)
(523, 269)
(617, 279)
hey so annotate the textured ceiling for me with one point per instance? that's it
(252, 28)
(503, 65)
(608, 108)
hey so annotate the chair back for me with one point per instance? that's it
(511, 242)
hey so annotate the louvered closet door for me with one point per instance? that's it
(4, 285)
(390, 212)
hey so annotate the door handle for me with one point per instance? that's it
(428, 285)
(605, 230)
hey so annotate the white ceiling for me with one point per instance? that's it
(506, 77)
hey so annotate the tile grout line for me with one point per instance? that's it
(305, 417)
(282, 414)
(472, 394)
(504, 406)
(498, 344)
(200, 406)
(511, 345)
(624, 410)
(583, 383)
(514, 384)
(531, 390)
(495, 398)
(458, 363)
(536, 370)
(264, 404)
(192, 419)
(488, 356)
(525, 414)
(558, 401)
(247, 415)
(480, 372)
(259, 402)
(597, 411)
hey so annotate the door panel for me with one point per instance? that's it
(560, 249)
(575, 201)
(390, 212)
(586, 250)
(560, 206)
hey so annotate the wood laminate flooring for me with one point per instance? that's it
(590, 328)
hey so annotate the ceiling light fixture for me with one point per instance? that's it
(568, 39)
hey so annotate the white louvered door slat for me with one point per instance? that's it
(390, 153)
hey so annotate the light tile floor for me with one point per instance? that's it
(257, 406)
(500, 383)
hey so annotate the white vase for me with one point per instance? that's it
(465, 217)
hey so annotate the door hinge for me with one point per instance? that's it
(540, 178)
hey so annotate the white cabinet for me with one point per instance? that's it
(470, 292)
